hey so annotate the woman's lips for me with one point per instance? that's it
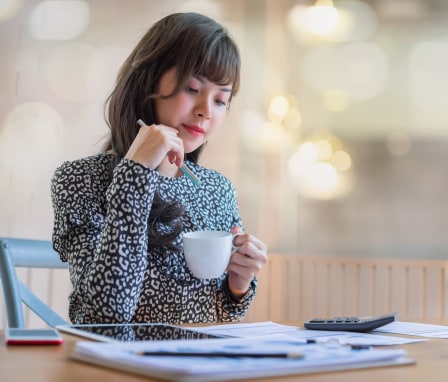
(194, 130)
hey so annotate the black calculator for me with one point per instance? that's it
(349, 324)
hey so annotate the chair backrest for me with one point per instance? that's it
(31, 254)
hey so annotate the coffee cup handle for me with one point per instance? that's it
(234, 247)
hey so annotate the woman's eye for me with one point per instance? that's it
(221, 102)
(191, 89)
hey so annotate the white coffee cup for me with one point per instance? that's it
(207, 253)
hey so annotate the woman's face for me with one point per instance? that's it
(197, 111)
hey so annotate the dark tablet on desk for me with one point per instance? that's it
(133, 332)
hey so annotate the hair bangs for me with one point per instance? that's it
(220, 65)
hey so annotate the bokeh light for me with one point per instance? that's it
(335, 100)
(306, 155)
(78, 72)
(361, 22)
(321, 19)
(273, 138)
(9, 8)
(319, 169)
(324, 149)
(358, 70)
(320, 181)
(341, 160)
(283, 107)
(343, 21)
(69, 73)
(428, 62)
(277, 132)
(364, 69)
(310, 24)
(293, 120)
(30, 139)
(278, 108)
(59, 20)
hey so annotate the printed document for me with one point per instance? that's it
(268, 327)
(415, 329)
(181, 367)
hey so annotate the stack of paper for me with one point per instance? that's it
(345, 338)
(194, 367)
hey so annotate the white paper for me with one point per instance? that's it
(317, 357)
(268, 327)
(415, 329)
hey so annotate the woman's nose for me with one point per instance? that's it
(203, 109)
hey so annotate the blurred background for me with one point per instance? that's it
(336, 142)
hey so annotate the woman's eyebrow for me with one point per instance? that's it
(223, 89)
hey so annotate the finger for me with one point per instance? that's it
(240, 260)
(176, 151)
(171, 157)
(240, 270)
(258, 243)
(247, 240)
(251, 259)
(236, 229)
(240, 238)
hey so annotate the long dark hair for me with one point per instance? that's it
(193, 44)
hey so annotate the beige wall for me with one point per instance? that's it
(397, 204)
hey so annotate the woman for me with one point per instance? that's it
(120, 215)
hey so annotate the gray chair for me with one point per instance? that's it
(31, 254)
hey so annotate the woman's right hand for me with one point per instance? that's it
(153, 143)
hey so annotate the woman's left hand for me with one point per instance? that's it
(245, 263)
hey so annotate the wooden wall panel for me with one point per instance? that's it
(297, 288)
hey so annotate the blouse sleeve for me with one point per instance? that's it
(101, 230)
(232, 310)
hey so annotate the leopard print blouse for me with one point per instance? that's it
(100, 229)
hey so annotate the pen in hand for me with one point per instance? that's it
(220, 354)
(184, 168)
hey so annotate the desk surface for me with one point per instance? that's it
(51, 364)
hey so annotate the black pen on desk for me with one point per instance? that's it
(220, 354)
(352, 346)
